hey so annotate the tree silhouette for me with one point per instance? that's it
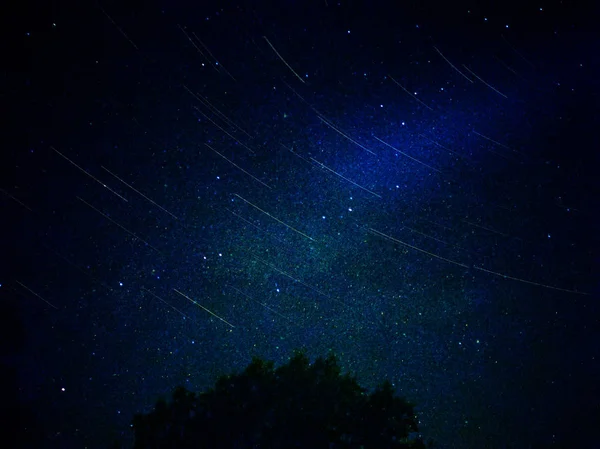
(298, 405)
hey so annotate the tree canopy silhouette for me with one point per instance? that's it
(298, 405)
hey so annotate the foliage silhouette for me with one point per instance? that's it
(298, 405)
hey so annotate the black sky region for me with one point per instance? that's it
(412, 185)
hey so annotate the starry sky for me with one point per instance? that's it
(185, 186)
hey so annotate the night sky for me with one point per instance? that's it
(187, 185)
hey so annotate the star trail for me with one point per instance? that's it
(414, 188)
